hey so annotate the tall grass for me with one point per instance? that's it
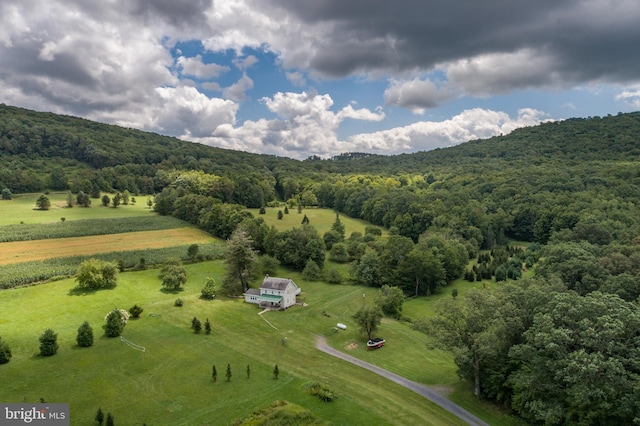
(19, 274)
(87, 227)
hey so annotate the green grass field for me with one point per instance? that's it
(171, 383)
(321, 219)
(22, 209)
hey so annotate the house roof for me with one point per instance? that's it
(274, 283)
(253, 291)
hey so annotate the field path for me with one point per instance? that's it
(431, 395)
(24, 251)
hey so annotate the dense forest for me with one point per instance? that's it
(559, 347)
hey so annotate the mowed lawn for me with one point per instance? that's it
(23, 251)
(171, 382)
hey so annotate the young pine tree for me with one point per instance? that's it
(110, 420)
(228, 372)
(99, 416)
(48, 343)
(276, 372)
(214, 374)
(85, 335)
(207, 327)
(196, 325)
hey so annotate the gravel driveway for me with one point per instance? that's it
(431, 395)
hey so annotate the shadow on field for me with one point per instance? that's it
(79, 291)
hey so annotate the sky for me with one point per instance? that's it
(302, 78)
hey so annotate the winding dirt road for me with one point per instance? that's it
(321, 344)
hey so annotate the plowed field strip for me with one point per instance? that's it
(24, 251)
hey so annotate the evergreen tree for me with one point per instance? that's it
(5, 352)
(48, 343)
(248, 372)
(110, 420)
(228, 372)
(280, 214)
(85, 335)
(207, 327)
(305, 220)
(214, 374)
(286, 210)
(43, 202)
(276, 372)
(116, 200)
(196, 325)
(99, 416)
(114, 324)
(338, 226)
(105, 200)
(239, 260)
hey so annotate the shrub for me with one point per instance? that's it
(6, 194)
(332, 276)
(178, 302)
(321, 392)
(48, 343)
(5, 352)
(85, 335)
(135, 311)
(192, 251)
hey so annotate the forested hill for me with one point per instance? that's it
(26, 135)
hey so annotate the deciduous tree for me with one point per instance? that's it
(95, 274)
(368, 318)
(390, 301)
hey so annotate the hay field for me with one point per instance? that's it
(24, 251)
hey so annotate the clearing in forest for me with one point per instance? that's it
(24, 251)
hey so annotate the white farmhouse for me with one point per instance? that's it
(277, 293)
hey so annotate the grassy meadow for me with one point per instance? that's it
(171, 383)
(321, 219)
(25, 204)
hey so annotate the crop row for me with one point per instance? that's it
(86, 227)
(25, 273)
